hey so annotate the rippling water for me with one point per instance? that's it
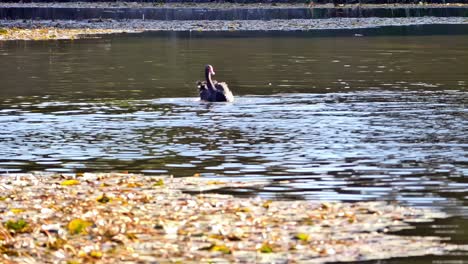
(332, 118)
(346, 146)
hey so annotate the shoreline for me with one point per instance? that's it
(110, 217)
(73, 29)
(219, 5)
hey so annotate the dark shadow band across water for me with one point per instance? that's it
(393, 30)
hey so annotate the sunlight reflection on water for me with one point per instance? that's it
(340, 146)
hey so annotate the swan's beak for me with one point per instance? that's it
(212, 72)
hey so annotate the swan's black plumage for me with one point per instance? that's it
(213, 91)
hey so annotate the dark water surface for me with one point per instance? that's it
(321, 117)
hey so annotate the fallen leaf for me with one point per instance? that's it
(103, 198)
(16, 210)
(19, 226)
(70, 182)
(302, 237)
(78, 226)
(265, 248)
(159, 182)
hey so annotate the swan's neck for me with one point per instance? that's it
(209, 81)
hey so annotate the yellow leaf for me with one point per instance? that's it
(159, 182)
(265, 248)
(131, 236)
(55, 243)
(217, 236)
(95, 254)
(133, 184)
(266, 204)
(221, 248)
(302, 237)
(243, 210)
(78, 226)
(103, 198)
(214, 182)
(70, 182)
(16, 210)
(218, 248)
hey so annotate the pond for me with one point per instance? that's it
(345, 115)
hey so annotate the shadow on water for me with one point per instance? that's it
(319, 117)
(387, 31)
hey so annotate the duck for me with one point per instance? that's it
(213, 91)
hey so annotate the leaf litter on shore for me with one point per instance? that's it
(120, 217)
(92, 28)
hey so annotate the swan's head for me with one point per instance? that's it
(209, 69)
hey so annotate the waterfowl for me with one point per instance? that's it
(213, 91)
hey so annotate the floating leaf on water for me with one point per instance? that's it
(221, 248)
(218, 248)
(243, 210)
(95, 254)
(197, 234)
(78, 226)
(214, 182)
(265, 248)
(134, 185)
(19, 226)
(326, 206)
(131, 236)
(9, 251)
(216, 236)
(366, 211)
(326, 251)
(308, 221)
(56, 243)
(159, 182)
(16, 210)
(103, 198)
(70, 182)
(234, 237)
(302, 237)
(266, 204)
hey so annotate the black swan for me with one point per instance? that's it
(213, 91)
